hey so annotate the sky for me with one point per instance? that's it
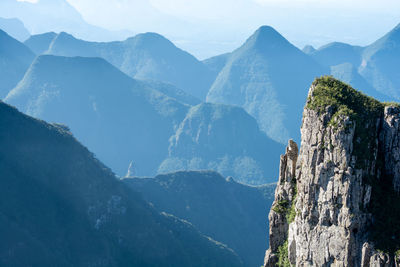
(210, 27)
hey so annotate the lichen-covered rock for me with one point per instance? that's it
(284, 196)
(347, 170)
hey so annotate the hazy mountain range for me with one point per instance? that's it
(146, 108)
(373, 68)
(60, 206)
(181, 135)
(57, 16)
(145, 56)
(119, 118)
(125, 121)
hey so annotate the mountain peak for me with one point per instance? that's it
(266, 36)
(65, 35)
(150, 38)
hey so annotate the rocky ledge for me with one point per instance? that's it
(337, 202)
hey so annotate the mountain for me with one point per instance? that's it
(15, 28)
(268, 77)
(308, 49)
(39, 43)
(337, 202)
(346, 72)
(147, 56)
(375, 64)
(120, 119)
(172, 91)
(225, 139)
(337, 53)
(56, 15)
(227, 211)
(15, 59)
(60, 206)
(215, 64)
(380, 63)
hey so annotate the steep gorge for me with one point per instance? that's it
(337, 201)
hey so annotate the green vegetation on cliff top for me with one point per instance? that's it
(364, 111)
(345, 101)
(329, 91)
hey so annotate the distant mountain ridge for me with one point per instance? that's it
(375, 65)
(147, 56)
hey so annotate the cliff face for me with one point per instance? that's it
(337, 202)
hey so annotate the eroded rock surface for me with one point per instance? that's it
(345, 176)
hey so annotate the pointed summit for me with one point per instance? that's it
(266, 76)
(265, 37)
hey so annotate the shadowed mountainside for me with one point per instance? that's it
(59, 206)
(227, 211)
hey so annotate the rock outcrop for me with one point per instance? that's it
(338, 202)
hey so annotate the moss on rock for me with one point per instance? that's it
(346, 102)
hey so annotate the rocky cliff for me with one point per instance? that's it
(337, 202)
